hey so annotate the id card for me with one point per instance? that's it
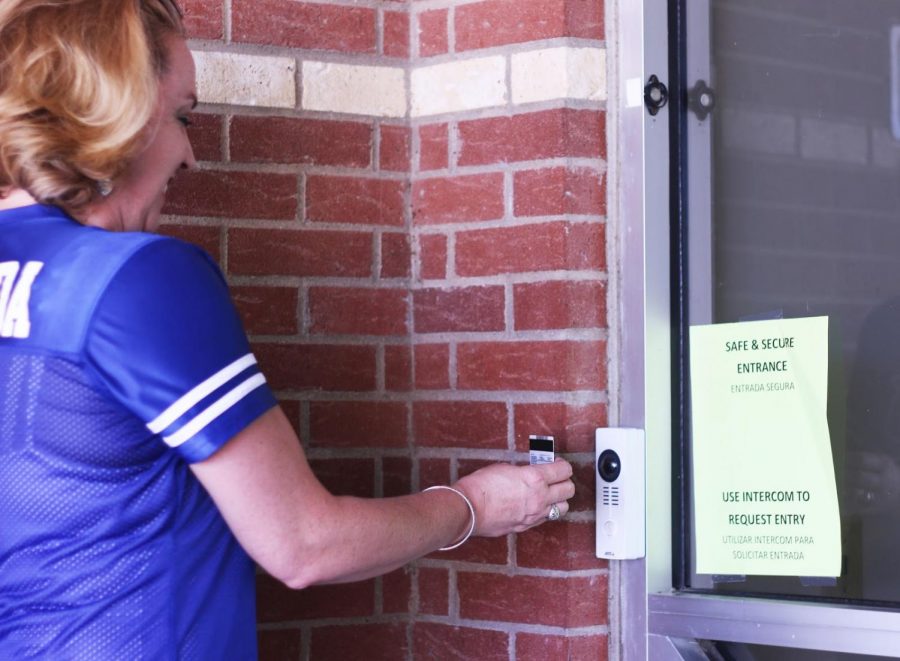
(540, 450)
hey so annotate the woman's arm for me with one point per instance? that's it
(301, 534)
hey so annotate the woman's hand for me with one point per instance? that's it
(514, 498)
(301, 534)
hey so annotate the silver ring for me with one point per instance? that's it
(554, 513)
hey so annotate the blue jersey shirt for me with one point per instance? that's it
(122, 360)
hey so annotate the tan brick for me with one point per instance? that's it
(246, 80)
(355, 89)
(458, 86)
(559, 73)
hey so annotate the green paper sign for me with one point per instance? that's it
(765, 499)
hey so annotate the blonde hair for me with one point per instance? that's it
(78, 84)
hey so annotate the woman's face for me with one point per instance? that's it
(138, 195)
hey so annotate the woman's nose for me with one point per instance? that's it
(190, 161)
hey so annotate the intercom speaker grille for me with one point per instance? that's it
(611, 496)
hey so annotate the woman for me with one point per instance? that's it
(143, 460)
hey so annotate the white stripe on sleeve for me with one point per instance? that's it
(189, 399)
(215, 409)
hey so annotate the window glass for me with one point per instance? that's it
(804, 220)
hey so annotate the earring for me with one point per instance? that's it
(104, 187)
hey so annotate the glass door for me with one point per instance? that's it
(793, 186)
(779, 199)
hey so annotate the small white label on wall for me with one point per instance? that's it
(634, 93)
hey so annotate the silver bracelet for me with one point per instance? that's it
(471, 512)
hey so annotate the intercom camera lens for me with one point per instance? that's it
(609, 465)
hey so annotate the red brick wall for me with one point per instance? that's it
(423, 294)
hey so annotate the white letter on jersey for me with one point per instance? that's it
(14, 320)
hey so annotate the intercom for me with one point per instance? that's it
(619, 471)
